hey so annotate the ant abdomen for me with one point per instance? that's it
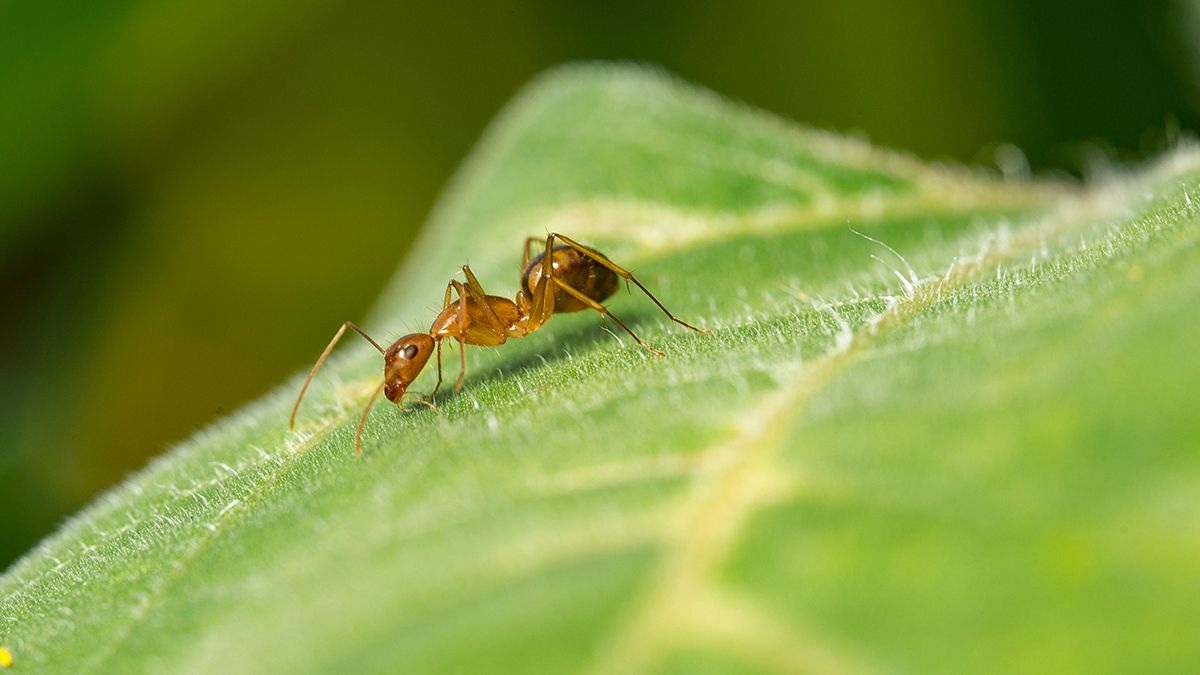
(580, 271)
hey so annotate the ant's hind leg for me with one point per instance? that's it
(607, 314)
(624, 274)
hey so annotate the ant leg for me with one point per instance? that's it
(475, 289)
(363, 420)
(536, 307)
(604, 311)
(447, 299)
(324, 355)
(421, 401)
(462, 332)
(462, 350)
(624, 274)
(439, 364)
(541, 306)
(527, 258)
(445, 304)
(472, 281)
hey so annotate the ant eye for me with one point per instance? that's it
(410, 351)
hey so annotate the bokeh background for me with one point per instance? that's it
(194, 194)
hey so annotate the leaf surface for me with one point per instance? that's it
(944, 423)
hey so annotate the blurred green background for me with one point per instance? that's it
(194, 194)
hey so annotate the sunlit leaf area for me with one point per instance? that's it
(944, 422)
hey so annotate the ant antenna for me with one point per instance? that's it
(324, 355)
(363, 420)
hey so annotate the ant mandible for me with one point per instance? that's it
(565, 278)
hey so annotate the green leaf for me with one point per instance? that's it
(944, 423)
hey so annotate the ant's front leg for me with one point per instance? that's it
(439, 367)
(445, 303)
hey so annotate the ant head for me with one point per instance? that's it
(403, 361)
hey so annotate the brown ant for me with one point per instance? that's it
(566, 278)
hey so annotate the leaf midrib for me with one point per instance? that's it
(262, 488)
(709, 521)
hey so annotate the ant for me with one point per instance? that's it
(569, 277)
